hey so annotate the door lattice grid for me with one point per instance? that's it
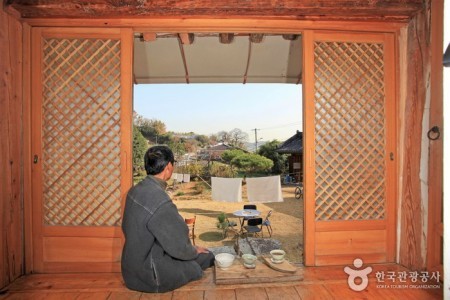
(81, 132)
(349, 131)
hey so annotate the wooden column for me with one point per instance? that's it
(11, 158)
(435, 166)
(416, 73)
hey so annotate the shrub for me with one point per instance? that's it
(222, 224)
(252, 162)
(221, 170)
(196, 169)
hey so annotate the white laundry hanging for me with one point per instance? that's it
(186, 178)
(226, 189)
(180, 177)
(264, 189)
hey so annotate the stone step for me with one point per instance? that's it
(256, 246)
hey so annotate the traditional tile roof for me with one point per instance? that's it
(292, 145)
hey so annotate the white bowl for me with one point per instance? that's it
(224, 260)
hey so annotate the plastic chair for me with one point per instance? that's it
(266, 223)
(254, 226)
(190, 222)
(249, 206)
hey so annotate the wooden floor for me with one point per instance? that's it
(318, 283)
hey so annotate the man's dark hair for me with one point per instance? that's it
(156, 159)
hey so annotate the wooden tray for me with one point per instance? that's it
(285, 266)
(238, 274)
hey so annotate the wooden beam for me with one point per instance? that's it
(304, 9)
(208, 25)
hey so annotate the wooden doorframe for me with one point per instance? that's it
(33, 225)
(174, 25)
(435, 165)
(384, 228)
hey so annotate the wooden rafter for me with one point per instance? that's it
(183, 57)
(186, 38)
(256, 37)
(226, 38)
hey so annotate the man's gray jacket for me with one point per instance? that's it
(158, 255)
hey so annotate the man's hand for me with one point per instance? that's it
(201, 249)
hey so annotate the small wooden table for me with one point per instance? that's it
(238, 274)
(243, 213)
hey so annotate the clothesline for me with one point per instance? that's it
(259, 189)
(181, 177)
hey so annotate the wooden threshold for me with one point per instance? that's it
(318, 283)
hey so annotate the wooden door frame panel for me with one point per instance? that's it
(308, 150)
(27, 153)
(255, 25)
(35, 227)
(36, 146)
(389, 222)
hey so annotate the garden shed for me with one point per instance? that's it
(372, 84)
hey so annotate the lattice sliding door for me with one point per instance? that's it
(82, 127)
(349, 110)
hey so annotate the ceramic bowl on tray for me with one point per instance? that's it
(249, 260)
(277, 256)
(224, 260)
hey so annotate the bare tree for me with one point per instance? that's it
(238, 137)
(224, 137)
(150, 128)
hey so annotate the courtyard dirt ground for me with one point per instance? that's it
(286, 219)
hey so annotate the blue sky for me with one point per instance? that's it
(274, 109)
